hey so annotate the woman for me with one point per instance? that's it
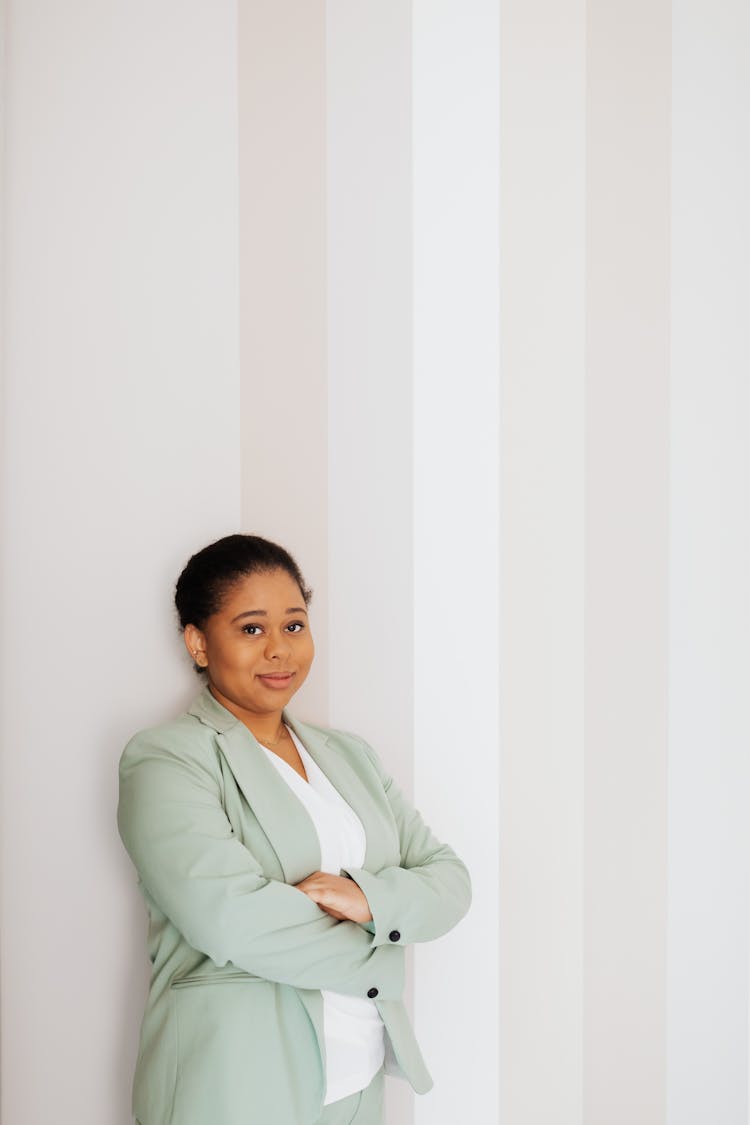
(284, 875)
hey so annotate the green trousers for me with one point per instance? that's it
(362, 1108)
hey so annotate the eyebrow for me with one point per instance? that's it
(262, 613)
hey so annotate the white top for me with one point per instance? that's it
(353, 1030)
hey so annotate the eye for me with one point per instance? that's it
(246, 627)
(298, 626)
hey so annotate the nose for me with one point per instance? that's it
(277, 645)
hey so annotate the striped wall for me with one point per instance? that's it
(452, 300)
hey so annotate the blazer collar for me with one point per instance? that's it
(207, 708)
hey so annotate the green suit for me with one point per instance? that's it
(233, 1028)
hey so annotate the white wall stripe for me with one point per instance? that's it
(456, 550)
(709, 766)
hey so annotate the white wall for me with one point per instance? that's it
(627, 514)
(282, 217)
(120, 457)
(709, 766)
(456, 280)
(542, 384)
(369, 393)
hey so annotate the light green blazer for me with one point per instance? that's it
(232, 1033)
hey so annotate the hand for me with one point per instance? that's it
(338, 896)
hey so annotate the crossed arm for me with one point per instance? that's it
(420, 899)
(329, 931)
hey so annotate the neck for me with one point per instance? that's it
(266, 727)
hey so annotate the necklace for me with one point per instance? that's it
(278, 738)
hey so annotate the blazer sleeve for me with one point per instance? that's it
(428, 893)
(174, 827)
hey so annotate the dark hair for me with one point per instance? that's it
(208, 575)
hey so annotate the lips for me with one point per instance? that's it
(277, 679)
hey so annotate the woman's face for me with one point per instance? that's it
(257, 648)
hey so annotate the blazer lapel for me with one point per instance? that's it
(337, 767)
(282, 816)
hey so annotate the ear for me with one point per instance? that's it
(195, 643)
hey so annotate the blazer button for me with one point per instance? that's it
(372, 992)
(394, 935)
